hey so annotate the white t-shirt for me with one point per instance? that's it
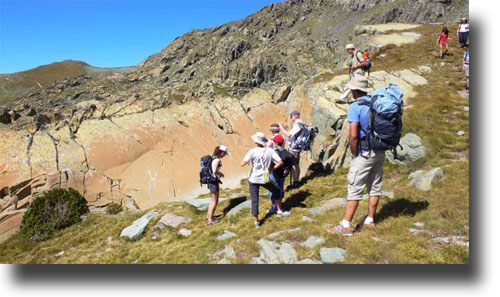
(261, 159)
(215, 170)
(463, 28)
(295, 128)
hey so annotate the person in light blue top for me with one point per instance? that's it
(366, 165)
(360, 114)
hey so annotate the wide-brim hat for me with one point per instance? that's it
(359, 83)
(259, 138)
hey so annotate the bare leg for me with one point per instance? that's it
(352, 205)
(440, 49)
(372, 208)
(212, 205)
(278, 203)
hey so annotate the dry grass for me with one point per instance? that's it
(436, 116)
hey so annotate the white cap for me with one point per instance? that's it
(224, 149)
(349, 46)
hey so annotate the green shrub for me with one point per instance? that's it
(52, 211)
(113, 208)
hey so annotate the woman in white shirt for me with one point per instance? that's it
(463, 32)
(264, 160)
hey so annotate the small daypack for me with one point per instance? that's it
(287, 159)
(206, 174)
(385, 125)
(303, 140)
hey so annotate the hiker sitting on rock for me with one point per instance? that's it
(264, 160)
(366, 164)
(219, 153)
(295, 118)
(356, 68)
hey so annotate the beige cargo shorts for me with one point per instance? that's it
(365, 170)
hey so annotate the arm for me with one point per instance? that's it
(277, 165)
(353, 138)
(458, 29)
(243, 163)
(284, 129)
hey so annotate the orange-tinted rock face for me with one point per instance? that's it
(154, 156)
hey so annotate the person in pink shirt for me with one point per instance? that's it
(443, 40)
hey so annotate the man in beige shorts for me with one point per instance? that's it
(366, 165)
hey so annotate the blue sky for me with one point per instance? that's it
(104, 33)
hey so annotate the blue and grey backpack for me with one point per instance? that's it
(303, 140)
(386, 112)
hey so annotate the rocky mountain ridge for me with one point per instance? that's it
(136, 137)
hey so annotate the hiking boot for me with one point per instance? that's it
(296, 185)
(281, 213)
(340, 101)
(256, 224)
(339, 229)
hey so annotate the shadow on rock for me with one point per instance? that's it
(400, 207)
(233, 203)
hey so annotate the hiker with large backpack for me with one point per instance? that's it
(278, 176)
(375, 124)
(264, 161)
(360, 64)
(210, 175)
(300, 138)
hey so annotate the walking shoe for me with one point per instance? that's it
(339, 229)
(283, 213)
(256, 224)
(369, 226)
(272, 210)
(340, 101)
(296, 184)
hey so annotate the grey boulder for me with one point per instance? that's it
(172, 220)
(422, 180)
(413, 149)
(202, 203)
(328, 205)
(332, 255)
(135, 230)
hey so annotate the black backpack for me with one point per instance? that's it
(303, 140)
(287, 159)
(206, 174)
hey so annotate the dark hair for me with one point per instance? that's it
(217, 151)
(279, 143)
(445, 30)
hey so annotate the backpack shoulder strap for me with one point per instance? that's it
(356, 54)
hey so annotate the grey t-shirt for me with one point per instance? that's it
(357, 59)
(261, 158)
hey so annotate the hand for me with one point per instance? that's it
(221, 174)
